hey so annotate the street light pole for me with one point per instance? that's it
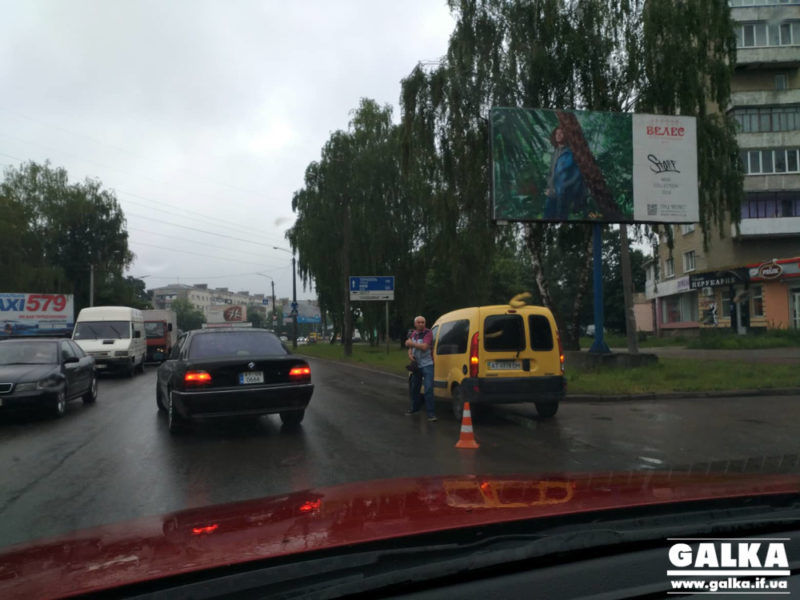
(294, 295)
(274, 310)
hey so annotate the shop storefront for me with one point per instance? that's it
(775, 293)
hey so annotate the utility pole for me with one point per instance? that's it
(294, 303)
(627, 289)
(274, 314)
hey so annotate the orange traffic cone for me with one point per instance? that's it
(467, 437)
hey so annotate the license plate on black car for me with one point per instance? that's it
(251, 377)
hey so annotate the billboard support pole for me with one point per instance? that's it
(599, 345)
(387, 327)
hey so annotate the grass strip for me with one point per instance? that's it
(668, 375)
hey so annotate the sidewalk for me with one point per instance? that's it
(783, 356)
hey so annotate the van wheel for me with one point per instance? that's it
(458, 403)
(140, 368)
(546, 409)
(131, 369)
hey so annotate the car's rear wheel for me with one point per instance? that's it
(546, 409)
(60, 404)
(91, 394)
(160, 399)
(292, 418)
(175, 422)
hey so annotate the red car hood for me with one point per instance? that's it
(198, 539)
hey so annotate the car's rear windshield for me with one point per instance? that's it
(235, 343)
(503, 333)
(28, 353)
(102, 330)
(541, 332)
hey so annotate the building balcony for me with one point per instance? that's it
(768, 57)
(768, 227)
(764, 97)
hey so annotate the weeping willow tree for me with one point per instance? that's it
(662, 56)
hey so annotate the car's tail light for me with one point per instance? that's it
(300, 373)
(197, 378)
(473, 356)
(560, 351)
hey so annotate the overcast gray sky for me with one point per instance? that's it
(201, 115)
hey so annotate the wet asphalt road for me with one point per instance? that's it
(116, 460)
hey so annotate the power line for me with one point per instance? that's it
(196, 216)
(206, 245)
(235, 260)
(201, 230)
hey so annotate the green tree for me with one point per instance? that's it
(256, 316)
(353, 217)
(187, 315)
(600, 55)
(71, 225)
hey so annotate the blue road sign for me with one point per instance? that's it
(372, 287)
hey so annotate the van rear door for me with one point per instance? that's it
(517, 343)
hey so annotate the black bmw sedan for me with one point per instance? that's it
(44, 373)
(229, 372)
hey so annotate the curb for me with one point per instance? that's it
(682, 395)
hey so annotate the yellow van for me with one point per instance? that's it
(497, 355)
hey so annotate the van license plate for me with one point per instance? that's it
(251, 377)
(505, 365)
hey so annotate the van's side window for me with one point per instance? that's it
(453, 338)
(541, 334)
(434, 333)
(503, 333)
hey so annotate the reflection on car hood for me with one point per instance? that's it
(317, 519)
(17, 373)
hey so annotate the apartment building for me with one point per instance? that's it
(200, 296)
(750, 278)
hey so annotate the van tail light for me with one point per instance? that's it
(473, 356)
(197, 378)
(300, 373)
(560, 351)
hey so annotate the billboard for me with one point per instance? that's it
(36, 314)
(593, 166)
(226, 313)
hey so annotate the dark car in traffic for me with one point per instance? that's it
(229, 372)
(44, 374)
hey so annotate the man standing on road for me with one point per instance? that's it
(420, 351)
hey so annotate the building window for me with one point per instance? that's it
(687, 228)
(771, 205)
(770, 161)
(767, 118)
(669, 268)
(756, 301)
(780, 82)
(681, 308)
(761, 34)
(688, 261)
